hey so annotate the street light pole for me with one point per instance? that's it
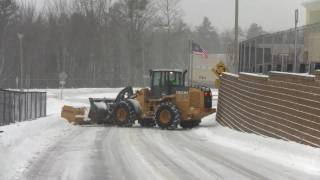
(236, 40)
(296, 40)
(20, 36)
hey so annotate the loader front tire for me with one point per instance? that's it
(167, 116)
(124, 114)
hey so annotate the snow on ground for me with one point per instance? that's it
(301, 157)
(23, 143)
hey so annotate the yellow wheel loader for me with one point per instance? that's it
(167, 103)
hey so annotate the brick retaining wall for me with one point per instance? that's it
(281, 105)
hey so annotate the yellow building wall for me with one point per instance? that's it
(312, 44)
(312, 36)
(312, 11)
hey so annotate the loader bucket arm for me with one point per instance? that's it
(126, 93)
(101, 109)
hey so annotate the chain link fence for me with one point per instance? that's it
(21, 106)
(293, 50)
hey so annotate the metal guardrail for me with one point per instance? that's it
(21, 106)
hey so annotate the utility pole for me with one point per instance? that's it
(143, 64)
(236, 40)
(20, 36)
(296, 40)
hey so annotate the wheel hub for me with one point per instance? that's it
(122, 114)
(165, 116)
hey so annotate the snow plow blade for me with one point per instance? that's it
(74, 115)
(100, 112)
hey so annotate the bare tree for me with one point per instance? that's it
(97, 42)
(168, 17)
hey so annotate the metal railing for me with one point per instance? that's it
(293, 50)
(21, 106)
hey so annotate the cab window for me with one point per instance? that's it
(175, 78)
(156, 79)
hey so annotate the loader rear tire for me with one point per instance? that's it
(197, 123)
(124, 114)
(167, 116)
(190, 124)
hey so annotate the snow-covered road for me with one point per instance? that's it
(207, 152)
(136, 153)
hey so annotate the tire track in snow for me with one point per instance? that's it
(254, 167)
(69, 158)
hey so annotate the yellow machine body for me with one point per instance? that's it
(191, 104)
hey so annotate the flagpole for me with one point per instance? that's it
(191, 68)
(188, 52)
(190, 62)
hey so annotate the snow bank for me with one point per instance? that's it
(20, 143)
(300, 157)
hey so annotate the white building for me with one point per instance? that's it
(202, 68)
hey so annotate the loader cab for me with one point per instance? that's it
(166, 82)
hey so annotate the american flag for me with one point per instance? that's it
(197, 50)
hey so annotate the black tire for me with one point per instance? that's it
(147, 122)
(197, 123)
(98, 116)
(190, 124)
(124, 114)
(167, 122)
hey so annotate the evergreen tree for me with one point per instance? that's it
(208, 36)
(254, 31)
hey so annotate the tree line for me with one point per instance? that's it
(99, 43)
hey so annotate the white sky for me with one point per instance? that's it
(273, 15)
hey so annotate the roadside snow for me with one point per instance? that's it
(22, 142)
(300, 157)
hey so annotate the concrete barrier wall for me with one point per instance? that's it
(281, 105)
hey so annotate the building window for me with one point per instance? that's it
(289, 68)
(279, 67)
(317, 66)
(303, 68)
(260, 69)
(269, 67)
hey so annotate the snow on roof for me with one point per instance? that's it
(253, 74)
(294, 74)
(230, 74)
(168, 70)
